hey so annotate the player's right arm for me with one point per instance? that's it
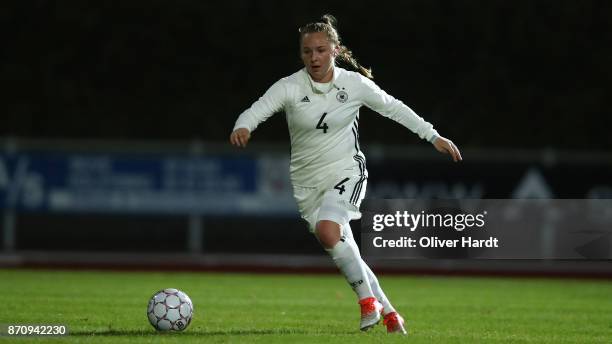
(271, 102)
(240, 137)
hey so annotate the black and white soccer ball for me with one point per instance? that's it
(170, 310)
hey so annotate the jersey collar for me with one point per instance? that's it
(315, 89)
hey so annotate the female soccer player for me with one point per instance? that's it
(328, 170)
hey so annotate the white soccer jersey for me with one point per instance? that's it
(323, 121)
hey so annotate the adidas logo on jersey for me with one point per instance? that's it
(305, 100)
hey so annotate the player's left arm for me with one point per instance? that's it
(444, 145)
(378, 100)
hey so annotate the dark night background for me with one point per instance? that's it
(510, 74)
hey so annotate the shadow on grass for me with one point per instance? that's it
(189, 333)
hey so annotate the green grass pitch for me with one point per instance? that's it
(110, 307)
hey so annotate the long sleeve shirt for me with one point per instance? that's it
(323, 120)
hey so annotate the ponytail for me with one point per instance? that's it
(347, 57)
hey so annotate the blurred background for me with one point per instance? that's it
(115, 117)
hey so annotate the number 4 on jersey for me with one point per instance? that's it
(341, 187)
(322, 125)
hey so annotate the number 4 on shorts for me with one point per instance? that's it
(341, 187)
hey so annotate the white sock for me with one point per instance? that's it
(377, 290)
(374, 284)
(347, 259)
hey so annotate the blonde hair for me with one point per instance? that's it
(327, 24)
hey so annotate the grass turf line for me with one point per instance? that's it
(110, 307)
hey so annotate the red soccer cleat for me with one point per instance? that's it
(370, 312)
(394, 323)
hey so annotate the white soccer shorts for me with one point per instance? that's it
(337, 201)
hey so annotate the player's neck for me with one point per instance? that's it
(326, 78)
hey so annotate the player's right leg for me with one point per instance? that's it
(392, 320)
(324, 210)
(374, 284)
(347, 259)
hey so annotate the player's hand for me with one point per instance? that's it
(240, 137)
(444, 145)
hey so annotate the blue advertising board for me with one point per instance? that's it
(157, 183)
